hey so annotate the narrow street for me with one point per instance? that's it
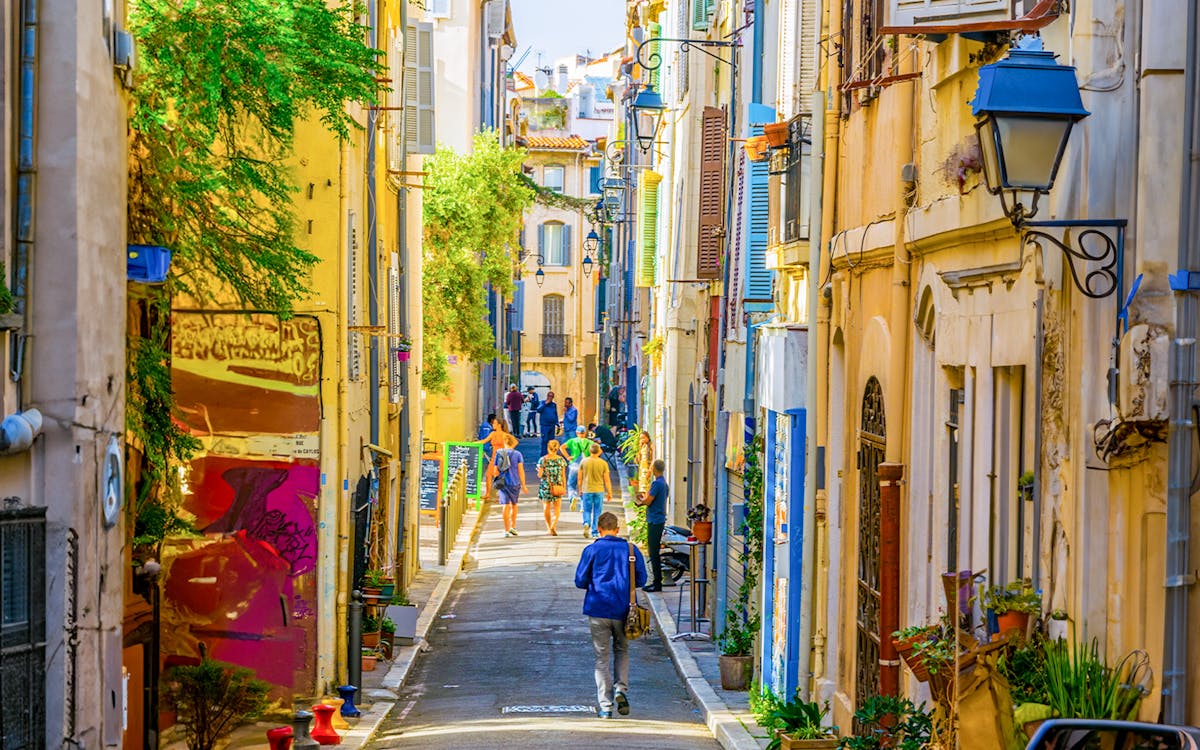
(509, 663)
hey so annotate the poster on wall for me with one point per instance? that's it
(779, 632)
(783, 479)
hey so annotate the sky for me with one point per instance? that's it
(559, 28)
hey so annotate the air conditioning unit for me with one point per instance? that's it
(1142, 359)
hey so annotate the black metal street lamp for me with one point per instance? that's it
(540, 276)
(648, 106)
(648, 111)
(1027, 105)
(591, 243)
(587, 265)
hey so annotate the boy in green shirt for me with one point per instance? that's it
(574, 450)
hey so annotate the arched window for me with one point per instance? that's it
(554, 243)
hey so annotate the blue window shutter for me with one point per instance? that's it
(601, 303)
(759, 278)
(518, 301)
(594, 180)
(566, 241)
(541, 246)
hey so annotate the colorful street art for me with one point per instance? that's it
(246, 589)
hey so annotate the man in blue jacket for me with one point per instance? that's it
(604, 572)
(548, 416)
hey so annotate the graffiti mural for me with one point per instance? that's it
(245, 587)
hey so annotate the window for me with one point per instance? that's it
(552, 177)
(554, 243)
(906, 12)
(554, 340)
(439, 8)
(22, 628)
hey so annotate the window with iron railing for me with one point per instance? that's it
(554, 345)
(22, 628)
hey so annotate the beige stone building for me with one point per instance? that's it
(62, 527)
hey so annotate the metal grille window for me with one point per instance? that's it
(22, 628)
(872, 442)
(554, 340)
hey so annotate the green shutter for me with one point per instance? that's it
(655, 49)
(701, 10)
(647, 236)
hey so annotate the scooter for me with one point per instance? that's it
(675, 562)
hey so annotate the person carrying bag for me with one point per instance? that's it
(637, 622)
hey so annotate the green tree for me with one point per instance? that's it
(220, 86)
(473, 208)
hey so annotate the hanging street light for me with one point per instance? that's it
(648, 111)
(591, 243)
(587, 265)
(540, 276)
(1027, 105)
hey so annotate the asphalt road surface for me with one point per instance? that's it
(510, 661)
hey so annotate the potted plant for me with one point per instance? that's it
(403, 348)
(697, 516)
(371, 628)
(374, 584)
(211, 698)
(777, 134)
(1012, 605)
(369, 659)
(737, 647)
(1056, 625)
(887, 721)
(403, 614)
(1081, 684)
(907, 640)
(800, 724)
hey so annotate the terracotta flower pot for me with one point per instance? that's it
(1012, 621)
(735, 671)
(702, 530)
(368, 662)
(905, 647)
(370, 640)
(787, 742)
(776, 133)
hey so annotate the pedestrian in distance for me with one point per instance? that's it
(548, 419)
(596, 487)
(552, 470)
(496, 440)
(603, 572)
(510, 481)
(513, 403)
(616, 400)
(655, 501)
(570, 419)
(531, 417)
(575, 450)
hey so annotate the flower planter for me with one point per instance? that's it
(1012, 621)
(702, 530)
(735, 671)
(1056, 630)
(370, 640)
(387, 590)
(402, 355)
(405, 618)
(787, 742)
(368, 662)
(905, 647)
(776, 134)
(957, 583)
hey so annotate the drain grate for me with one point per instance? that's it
(549, 709)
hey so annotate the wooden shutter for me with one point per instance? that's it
(786, 73)
(541, 246)
(806, 45)
(759, 278)
(908, 12)
(394, 365)
(712, 193)
(418, 88)
(681, 30)
(566, 244)
(647, 230)
(395, 99)
(700, 12)
(654, 31)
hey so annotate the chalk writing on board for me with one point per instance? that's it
(469, 454)
(431, 481)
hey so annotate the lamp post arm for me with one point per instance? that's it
(652, 59)
(1094, 245)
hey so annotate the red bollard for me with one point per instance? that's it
(323, 731)
(279, 738)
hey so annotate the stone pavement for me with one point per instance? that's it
(509, 661)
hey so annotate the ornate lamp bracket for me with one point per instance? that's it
(1099, 250)
(652, 59)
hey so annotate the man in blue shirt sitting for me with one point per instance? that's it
(655, 500)
(604, 572)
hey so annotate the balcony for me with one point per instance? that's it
(554, 345)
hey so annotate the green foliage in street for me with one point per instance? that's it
(750, 555)
(890, 722)
(1025, 669)
(220, 86)
(1082, 685)
(6, 298)
(737, 639)
(474, 206)
(212, 698)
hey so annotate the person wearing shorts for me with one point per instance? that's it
(511, 484)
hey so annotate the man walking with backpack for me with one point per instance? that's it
(531, 418)
(510, 481)
(604, 572)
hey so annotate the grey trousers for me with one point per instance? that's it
(612, 654)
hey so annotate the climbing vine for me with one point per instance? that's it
(751, 555)
(474, 207)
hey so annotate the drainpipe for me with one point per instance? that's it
(26, 215)
(892, 473)
(1186, 285)
(373, 247)
(808, 576)
(830, 109)
(410, 403)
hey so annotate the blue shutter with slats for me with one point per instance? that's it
(518, 303)
(759, 278)
(566, 244)
(601, 303)
(594, 175)
(541, 246)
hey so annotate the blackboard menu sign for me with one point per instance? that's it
(470, 454)
(431, 482)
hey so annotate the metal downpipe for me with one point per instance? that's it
(1183, 384)
(26, 214)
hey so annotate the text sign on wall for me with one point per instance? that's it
(470, 455)
(431, 482)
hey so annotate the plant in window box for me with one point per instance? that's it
(403, 348)
(1012, 605)
(801, 724)
(377, 585)
(907, 640)
(697, 516)
(369, 658)
(737, 650)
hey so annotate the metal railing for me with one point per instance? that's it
(554, 345)
(450, 513)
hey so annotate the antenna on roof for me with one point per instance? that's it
(524, 55)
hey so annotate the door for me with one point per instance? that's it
(871, 442)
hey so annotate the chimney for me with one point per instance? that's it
(562, 80)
